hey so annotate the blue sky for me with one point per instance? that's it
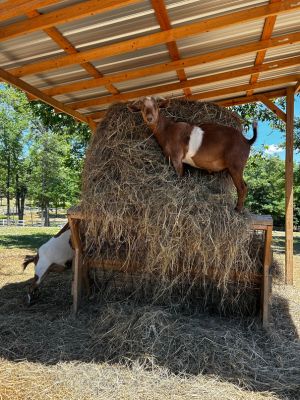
(272, 138)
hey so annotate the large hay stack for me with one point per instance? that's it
(182, 234)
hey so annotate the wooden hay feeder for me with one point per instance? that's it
(184, 229)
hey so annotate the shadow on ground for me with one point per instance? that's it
(236, 350)
(30, 241)
(279, 243)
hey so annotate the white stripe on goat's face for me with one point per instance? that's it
(56, 251)
(150, 110)
(195, 142)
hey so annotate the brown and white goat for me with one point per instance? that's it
(208, 146)
(52, 256)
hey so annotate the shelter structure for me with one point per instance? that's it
(82, 56)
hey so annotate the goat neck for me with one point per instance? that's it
(160, 129)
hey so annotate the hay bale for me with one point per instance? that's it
(182, 232)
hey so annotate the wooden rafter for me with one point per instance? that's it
(13, 8)
(297, 87)
(65, 44)
(31, 90)
(177, 86)
(170, 36)
(98, 115)
(266, 34)
(154, 69)
(173, 65)
(63, 15)
(164, 22)
(235, 101)
(272, 106)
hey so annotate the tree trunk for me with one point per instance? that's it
(8, 185)
(46, 215)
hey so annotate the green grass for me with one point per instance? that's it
(25, 237)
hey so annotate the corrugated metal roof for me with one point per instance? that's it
(139, 20)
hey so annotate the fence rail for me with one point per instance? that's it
(38, 223)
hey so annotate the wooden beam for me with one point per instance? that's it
(289, 231)
(63, 15)
(13, 8)
(97, 115)
(170, 36)
(297, 87)
(156, 69)
(272, 106)
(177, 86)
(164, 22)
(31, 90)
(225, 103)
(251, 99)
(66, 45)
(266, 34)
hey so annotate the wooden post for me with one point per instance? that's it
(266, 287)
(289, 186)
(77, 264)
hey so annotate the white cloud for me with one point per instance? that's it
(273, 149)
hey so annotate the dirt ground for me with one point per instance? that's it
(112, 351)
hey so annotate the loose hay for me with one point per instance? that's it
(183, 233)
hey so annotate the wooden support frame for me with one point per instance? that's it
(67, 46)
(12, 8)
(164, 22)
(180, 85)
(258, 222)
(289, 231)
(62, 15)
(156, 69)
(272, 106)
(31, 90)
(163, 37)
(297, 87)
(266, 34)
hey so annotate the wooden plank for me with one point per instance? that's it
(297, 87)
(272, 106)
(164, 37)
(289, 187)
(262, 220)
(266, 276)
(180, 85)
(250, 99)
(65, 44)
(210, 273)
(31, 90)
(165, 67)
(266, 34)
(164, 22)
(63, 15)
(12, 8)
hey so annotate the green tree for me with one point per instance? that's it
(14, 120)
(53, 182)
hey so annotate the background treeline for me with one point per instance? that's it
(42, 153)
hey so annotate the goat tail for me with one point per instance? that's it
(253, 139)
(28, 260)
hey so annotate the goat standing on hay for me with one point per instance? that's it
(52, 256)
(209, 146)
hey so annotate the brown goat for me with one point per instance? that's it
(208, 146)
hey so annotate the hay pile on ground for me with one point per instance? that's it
(179, 232)
(122, 350)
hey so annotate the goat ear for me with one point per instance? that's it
(163, 103)
(134, 107)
